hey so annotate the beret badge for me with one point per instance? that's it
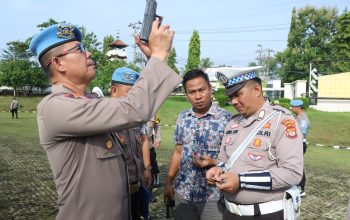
(65, 31)
(127, 76)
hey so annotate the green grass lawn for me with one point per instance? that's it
(327, 128)
(26, 179)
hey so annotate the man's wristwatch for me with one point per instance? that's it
(149, 168)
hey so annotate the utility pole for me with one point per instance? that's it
(117, 35)
(136, 26)
(263, 56)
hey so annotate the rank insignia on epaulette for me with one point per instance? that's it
(74, 95)
(291, 131)
(121, 139)
(127, 76)
(65, 31)
(109, 144)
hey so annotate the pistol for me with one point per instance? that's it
(149, 17)
(170, 204)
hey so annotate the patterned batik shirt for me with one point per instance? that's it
(198, 135)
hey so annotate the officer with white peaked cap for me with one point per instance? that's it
(261, 152)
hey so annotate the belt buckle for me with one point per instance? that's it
(236, 209)
(233, 208)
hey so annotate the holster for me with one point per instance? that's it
(292, 203)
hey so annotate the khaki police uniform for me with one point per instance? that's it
(130, 140)
(87, 161)
(276, 148)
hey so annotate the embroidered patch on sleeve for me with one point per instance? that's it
(291, 131)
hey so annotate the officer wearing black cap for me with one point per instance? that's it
(259, 157)
(76, 131)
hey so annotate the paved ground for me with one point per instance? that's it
(27, 190)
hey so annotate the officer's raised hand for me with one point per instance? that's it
(228, 182)
(159, 42)
(212, 175)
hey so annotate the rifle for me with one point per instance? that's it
(149, 17)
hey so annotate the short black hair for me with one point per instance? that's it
(192, 74)
(257, 80)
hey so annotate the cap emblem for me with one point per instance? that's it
(221, 77)
(127, 76)
(65, 31)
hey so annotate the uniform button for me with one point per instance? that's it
(109, 144)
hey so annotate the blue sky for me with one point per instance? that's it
(229, 30)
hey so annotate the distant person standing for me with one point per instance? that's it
(14, 107)
(304, 125)
(154, 138)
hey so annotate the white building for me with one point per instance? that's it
(295, 89)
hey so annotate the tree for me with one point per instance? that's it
(46, 24)
(252, 63)
(104, 74)
(341, 44)
(308, 40)
(194, 52)
(206, 63)
(171, 61)
(16, 50)
(106, 41)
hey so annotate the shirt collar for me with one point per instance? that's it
(212, 111)
(258, 115)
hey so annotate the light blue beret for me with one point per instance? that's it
(54, 36)
(296, 102)
(125, 76)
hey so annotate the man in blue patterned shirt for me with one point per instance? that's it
(197, 137)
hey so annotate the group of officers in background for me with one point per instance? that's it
(224, 167)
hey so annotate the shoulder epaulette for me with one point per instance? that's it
(281, 109)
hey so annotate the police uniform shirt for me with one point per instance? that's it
(304, 124)
(130, 140)
(87, 161)
(276, 147)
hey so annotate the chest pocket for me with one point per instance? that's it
(105, 147)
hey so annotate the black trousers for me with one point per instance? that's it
(303, 180)
(13, 112)
(272, 216)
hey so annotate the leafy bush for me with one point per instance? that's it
(284, 100)
(221, 98)
(284, 105)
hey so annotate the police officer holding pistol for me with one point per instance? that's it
(260, 155)
(76, 131)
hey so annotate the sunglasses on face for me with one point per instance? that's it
(79, 48)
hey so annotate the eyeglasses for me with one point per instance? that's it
(79, 48)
